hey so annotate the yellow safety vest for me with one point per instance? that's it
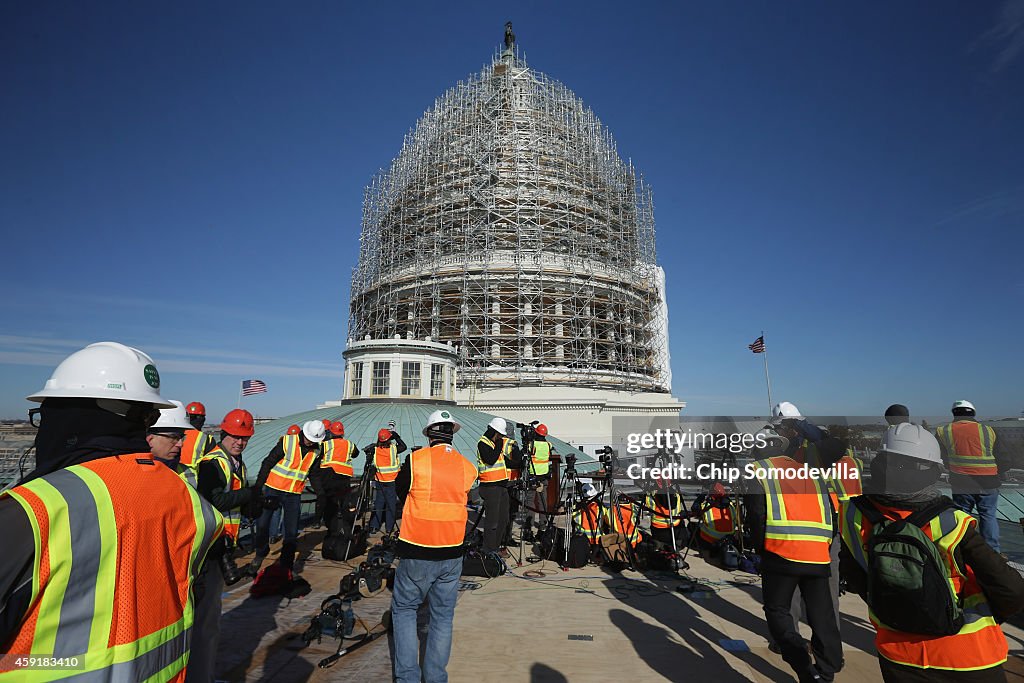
(337, 454)
(588, 520)
(497, 471)
(289, 474)
(235, 480)
(799, 521)
(969, 447)
(663, 517)
(541, 457)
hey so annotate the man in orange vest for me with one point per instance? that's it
(435, 482)
(103, 515)
(791, 522)
(281, 480)
(165, 437)
(385, 452)
(334, 473)
(197, 442)
(969, 450)
(496, 451)
(986, 589)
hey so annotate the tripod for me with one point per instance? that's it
(613, 501)
(364, 495)
(570, 485)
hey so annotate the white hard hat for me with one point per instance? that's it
(589, 490)
(172, 418)
(962, 404)
(913, 441)
(499, 425)
(785, 409)
(314, 430)
(105, 370)
(440, 417)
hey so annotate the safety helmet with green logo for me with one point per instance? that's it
(441, 417)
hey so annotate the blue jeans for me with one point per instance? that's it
(437, 581)
(290, 504)
(385, 506)
(987, 503)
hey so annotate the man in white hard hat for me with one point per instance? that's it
(903, 478)
(435, 482)
(496, 453)
(165, 439)
(103, 515)
(969, 450)
(282, 479)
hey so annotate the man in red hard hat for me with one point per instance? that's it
(333, 471)
(385, 452)
(197, 443)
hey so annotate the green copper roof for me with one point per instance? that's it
(363, 420)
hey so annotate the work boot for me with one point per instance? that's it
(254, 567)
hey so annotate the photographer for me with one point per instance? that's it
(495, 451)
(538, 449)
(385, 453)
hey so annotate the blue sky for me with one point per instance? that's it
(188, 179)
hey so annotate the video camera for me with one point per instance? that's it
(608, 459)
(527, 432)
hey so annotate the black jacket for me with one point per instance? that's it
(212, 487)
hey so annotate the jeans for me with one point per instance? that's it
(437, 581)
(987, 503)
(777, 590)
(385, 506)
(276, 524)
(290, 505)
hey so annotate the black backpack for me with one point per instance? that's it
(909, 586)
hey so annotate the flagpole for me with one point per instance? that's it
(239, 394)
(767, 380)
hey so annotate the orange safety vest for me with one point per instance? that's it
(588, 519)
(663, 517)
(717, 523)
(337, 456)
(980, 644)
(799, 519)
(289, 474)
(497, 471)
(235, 479)
(385, 460)
(621, 520)
(845, 485)
(197, 444)
(434, 515)
(969, 447)
(100, 539)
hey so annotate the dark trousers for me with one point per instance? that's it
(290, 505)
(385, 506)
(495, 499)
(207, 593)
(335, 493)
(897, 673)
(664, 535)
(777, 590)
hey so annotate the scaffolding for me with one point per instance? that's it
(509, 226)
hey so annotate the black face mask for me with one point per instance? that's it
(76, 430)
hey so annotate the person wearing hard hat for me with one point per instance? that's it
(791, 523)
(589, 516)
(165, 439)
(973, 579)
(969, 450)
(281, 480)
(803, 435)
(334, 469)
(385, 451)
(496, 452)
(538, 462)
(84, 531)
(197, 442)
(222, 480)
(435, 483)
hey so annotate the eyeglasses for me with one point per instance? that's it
(35, 417)
(172, 437)
(237, 438)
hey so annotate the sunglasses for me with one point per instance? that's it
(172, 436)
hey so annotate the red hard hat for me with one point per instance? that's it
(195, 408)
(718, 491)
(384, 435)
(541, 429)
(293, 430)
(238, 422)
(337, 428)
(327, 423)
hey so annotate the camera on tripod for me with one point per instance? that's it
(607, 458)
(527, 432)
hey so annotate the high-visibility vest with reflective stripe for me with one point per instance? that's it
(663, 517)
(979, 644)
(235, 479)
(845, 485)
(434, 515)
(541, 458)
(188, 475)
(621, 520)
(588, 520)
(101, 530)
(385, 461)
(497, 471)
(196, 444)
(289, 474)
(799, 522)
(969, 447)
(717, 523)
(337, 454)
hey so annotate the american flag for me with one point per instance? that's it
(253, 386)
(758, 345)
